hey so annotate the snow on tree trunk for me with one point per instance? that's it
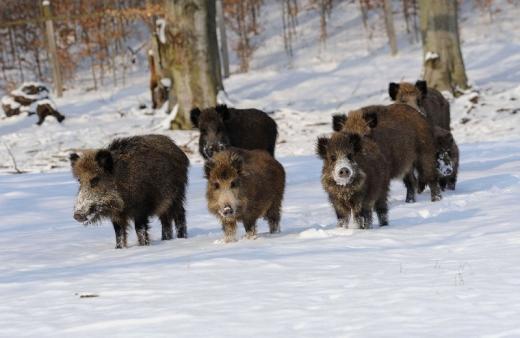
(190, 56)
(389, 24)
(443, 63)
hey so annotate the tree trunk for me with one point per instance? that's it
(190, 56)
(443, 63)
(389, 24)
(223, 39)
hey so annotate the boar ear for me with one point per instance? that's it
(393, 88)
(73, 158)
(338, 121)
(355, 141)
(208, 165)
(105, 161)
(422, 86)
(194, 116)
(321, 147)
(371, 119)
(223, 111)
(237, 162)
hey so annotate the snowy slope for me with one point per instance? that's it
(440, 269)
(443, 269)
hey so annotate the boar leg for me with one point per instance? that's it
(179, 216)
(167, 229)
(230, 230)
(381, 208)
(121, 234)
(141, 229)
(428, 173)
(342, 212)
(363, 217)
(273, 217)
(452, 181)
(250, 226)
(410, 182)
(443, 182)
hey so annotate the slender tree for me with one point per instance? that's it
(190, 56)
(443, 63)
(389, 24)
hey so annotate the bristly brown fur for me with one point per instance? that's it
(250, 181)
(371, 178)
(133, 179)
(429, 101)
(405, 139)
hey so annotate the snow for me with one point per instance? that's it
(9, 101)
(439, 269)
(161, 30)
(431, 56)
(166, 82)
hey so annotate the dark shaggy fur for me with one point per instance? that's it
(447, 158)
(222, 127)
(244, 185)
(133, 179)
(356, 177)
(428, 101)
(405, 139)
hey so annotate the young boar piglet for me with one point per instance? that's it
(244, 185)
(222, 127)
(132, 179)
(356, 177)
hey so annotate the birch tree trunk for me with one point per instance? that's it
(389, 24)
(443, 63)
(190, 56)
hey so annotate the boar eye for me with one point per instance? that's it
(333, 158)
(216, 185)
(203, 131)
(349, 156)
(94, 182)
(235, 184)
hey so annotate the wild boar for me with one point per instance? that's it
(132, 179)
(356, 176)
(244, 185)
(223, 127)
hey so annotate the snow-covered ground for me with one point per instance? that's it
(440, 269)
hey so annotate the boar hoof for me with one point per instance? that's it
(436, 198)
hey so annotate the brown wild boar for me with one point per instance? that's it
(221, 127)
(405, 139)
(430, 102)
(244, 185)
(132, 179)
(356, 177)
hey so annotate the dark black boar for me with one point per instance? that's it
(447, 158)
(405, 139)
(134, 178)
(356, 176)
(222, 127)
(244, 185)
(428, 101)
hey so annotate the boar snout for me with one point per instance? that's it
(80, 217)
(344, 172)
(227, 211)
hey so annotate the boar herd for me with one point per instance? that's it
(138, 177)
